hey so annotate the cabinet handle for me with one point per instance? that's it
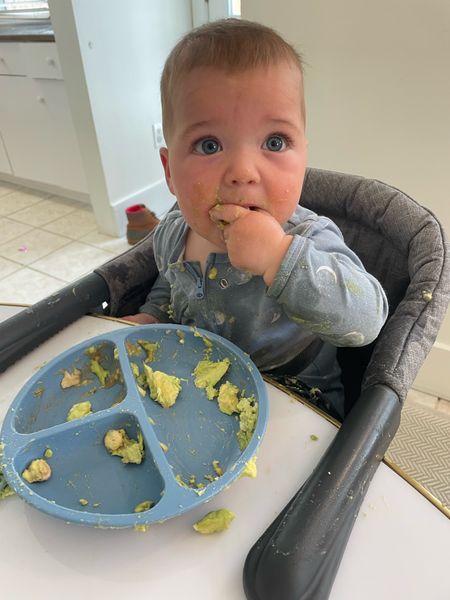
(40, 99)
(51, 62)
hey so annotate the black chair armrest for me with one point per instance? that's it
(297, 558)
(23, 332)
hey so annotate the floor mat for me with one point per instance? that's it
(421, 448)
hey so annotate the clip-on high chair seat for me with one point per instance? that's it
(404, 246)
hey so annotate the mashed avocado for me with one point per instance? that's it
(141, 379)
(132, 349)
(150, 348)
(228, 398)
(215, 521)
(163, 388)
(118, 443)
(37, 470)
(71, 379)
(207, 373)
(250, 469)
(217, 468)
(98, 370)
(143, 506)
(5, 490)
(248, 414)
(79, 410)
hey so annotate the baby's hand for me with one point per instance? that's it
(255, 241)
(142, 319)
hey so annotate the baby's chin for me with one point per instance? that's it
(216, 244)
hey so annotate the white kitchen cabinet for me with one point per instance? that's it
(35, 120)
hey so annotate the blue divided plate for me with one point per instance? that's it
(195, 431)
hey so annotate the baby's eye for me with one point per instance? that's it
(275, 143)
(207, 146)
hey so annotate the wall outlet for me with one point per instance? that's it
(158, 136)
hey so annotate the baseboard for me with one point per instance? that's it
(433, 376)
(46, 187)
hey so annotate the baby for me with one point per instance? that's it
(240, 257)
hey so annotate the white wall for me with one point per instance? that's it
(378, 102)
(112, 55)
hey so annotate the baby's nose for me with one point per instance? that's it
(242, 169)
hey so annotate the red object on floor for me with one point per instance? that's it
(141, 222)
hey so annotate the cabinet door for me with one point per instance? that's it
(38, 132)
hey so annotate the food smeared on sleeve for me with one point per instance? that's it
(37, 470)
(215, 521)
(118, 443)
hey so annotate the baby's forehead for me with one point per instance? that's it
(203, 85)
(200, 75)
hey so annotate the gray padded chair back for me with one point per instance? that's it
(403, 245)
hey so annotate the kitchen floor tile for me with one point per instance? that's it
(19, 199)
(10, 229)
(7, 267)
(32, 245)
(106, 242)
(43, 212)
(76, 225)
(72, 261)
(28, 286)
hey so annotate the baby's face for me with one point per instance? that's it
(236, 138)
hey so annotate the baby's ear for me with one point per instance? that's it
(164, 156)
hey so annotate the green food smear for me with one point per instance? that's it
(5, 489)
(248, 414)
(208, 373)
(37, 470)
(164, 388)
(228, 398)
(79, 410)
(150, 348)
(118, 443)
(215, 521)
(143, 506)
(98, 370)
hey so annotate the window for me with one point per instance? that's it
(235, 8)
(25, 9)
(210, 10)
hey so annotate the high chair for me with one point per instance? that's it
(404, 246)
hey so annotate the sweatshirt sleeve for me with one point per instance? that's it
(323, 286)
(157, 302)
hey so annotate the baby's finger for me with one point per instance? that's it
(227, 213)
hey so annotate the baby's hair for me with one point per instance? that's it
(233, 45)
